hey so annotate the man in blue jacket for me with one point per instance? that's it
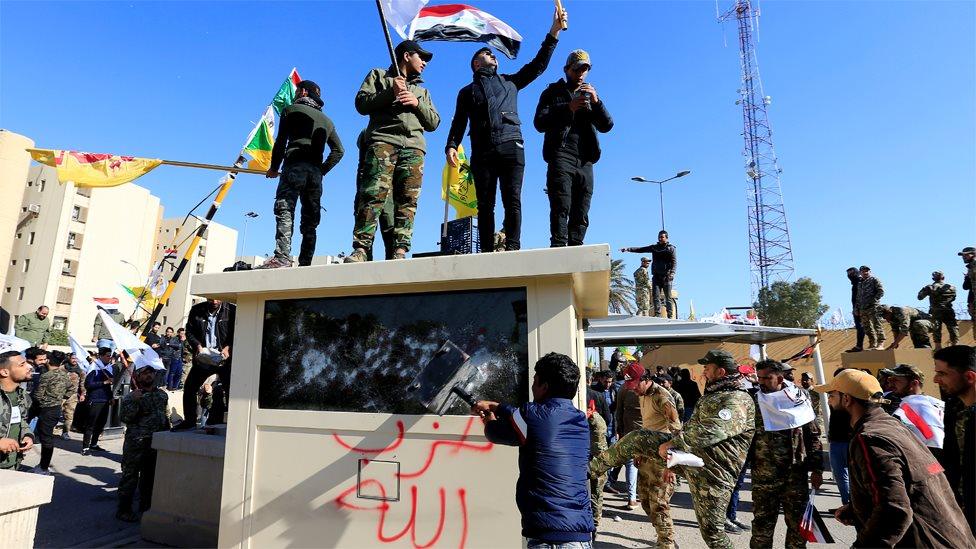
(554, 442)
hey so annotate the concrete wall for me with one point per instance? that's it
(14, 162)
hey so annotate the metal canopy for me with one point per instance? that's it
(642, 330)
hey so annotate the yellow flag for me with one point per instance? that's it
(143, 295)
(94, 169)
(458, 183)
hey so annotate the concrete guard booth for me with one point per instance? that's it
(328, 446)
(616, 330)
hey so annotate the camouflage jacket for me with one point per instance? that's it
(146, 414)
(6, 411)
(776, 452)
(658, 411)
(679, 402)
(55, 386)
(720, 431)
(902, 318)
(598, 434)
(641, 279)
(869, 292)
(940, 294)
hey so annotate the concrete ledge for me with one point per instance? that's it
(21, 494)
(186, 495)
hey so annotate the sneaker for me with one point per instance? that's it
(731, 528)
(854, 349)
(275, 263)
(358, 256)
(880, 347)
(65, 435)
(631, 505)
(39, 471)
(743, 527)
(610, 489)
(127, 516)
(400, 253)
(97, 448)
(85, 452)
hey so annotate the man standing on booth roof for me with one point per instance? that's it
(664, 263)
(304, 132)
(497, 152)
(400, 111)
(571, 113)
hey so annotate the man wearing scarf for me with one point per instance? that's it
(490, 102)
(788, 449)
(719, 432)
(305, 130)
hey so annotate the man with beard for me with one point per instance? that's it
(955, 372)
(490, 102)
(899, 493)
(664, 263)
(305, 130)
(16, 436)
(785, 453)
(210, 333)
(719, 432)
(922, 414)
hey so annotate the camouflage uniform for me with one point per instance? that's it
(780, 464)
(143, 416)
(970, 284)
(386, 215)
(69, 406)
(869, 293)
(817, 408)
(6, 412)
(720, 432)
(913, 322)
(658, 413)
(642, 282)
(53, 388)
(598, 443)
(941, 296)
(679, 402)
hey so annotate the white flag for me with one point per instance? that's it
(786, 409)
(140, 353)
(755, 353)
(81, 354)
(925, 417)
(400, 13)
(10, 342)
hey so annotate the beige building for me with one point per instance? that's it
(72, 245)
(215, 252)
(14, 162)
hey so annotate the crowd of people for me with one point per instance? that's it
(898, 488)
(43, 389)
(392, 150)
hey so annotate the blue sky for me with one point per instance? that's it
(873, 112)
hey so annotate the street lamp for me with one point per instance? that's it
(660, 185)
(247, 217)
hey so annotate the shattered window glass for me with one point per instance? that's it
(401, 353)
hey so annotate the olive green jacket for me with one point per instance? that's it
(391, 122)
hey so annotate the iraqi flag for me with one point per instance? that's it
(925, 418)
(812, 527)
(461, 23)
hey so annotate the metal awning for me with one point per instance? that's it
(645, 330)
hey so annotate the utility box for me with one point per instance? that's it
(328, 445)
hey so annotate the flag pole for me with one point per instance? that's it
(217, 167)
(389, 41)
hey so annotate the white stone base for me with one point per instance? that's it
(21, 494)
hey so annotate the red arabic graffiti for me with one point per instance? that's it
(383, 506)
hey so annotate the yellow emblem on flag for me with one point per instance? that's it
(458, 183)
(94, 169)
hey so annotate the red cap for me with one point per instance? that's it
(746, 369)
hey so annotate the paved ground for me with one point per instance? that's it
(82, 513)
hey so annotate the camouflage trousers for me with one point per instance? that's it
(301, 181)
(871, 323)
(655, 497)
(643, 301)
(919, 331)
(770, 491)
(388, 171)
(138, 470)
(69, 405)
(596, 497)
(945, 317)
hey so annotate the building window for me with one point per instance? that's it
(26, 264)
(66, 268)
(8, 289)
(165, 320)
(199, 268)
(72, 239)
(59, 323)
(20, 293)
(203, 251)
(30, 239)
(19, 235)
(43, 183)
(76, 213)
(13, 262)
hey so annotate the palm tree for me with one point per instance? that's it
(622, 293)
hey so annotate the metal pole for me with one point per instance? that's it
(244, 238)
(660, 186)
(818, 372)
(389, 41)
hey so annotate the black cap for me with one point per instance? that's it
(412, 46)
(967, 250)
(659, 378)
(720, 358)
(479, 52)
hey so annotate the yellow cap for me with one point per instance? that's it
(858, 384)
(577, 58)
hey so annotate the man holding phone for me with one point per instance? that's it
(15, 433)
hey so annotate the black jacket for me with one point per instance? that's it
(553, 118)
(854, 284)
(491, 103)
(664, 258)
(303, 133)
(960, 463)
(196, 325)
(601, 403)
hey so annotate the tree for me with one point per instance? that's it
(58, 337)
(791, 305)
(621, 289)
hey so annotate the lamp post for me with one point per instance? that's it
(247, 217)
(660, 185)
